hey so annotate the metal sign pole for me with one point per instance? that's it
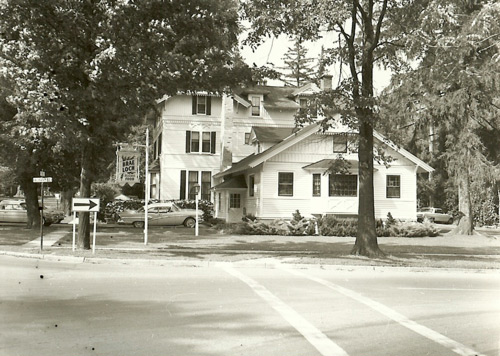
(95, 224)
(41, 220)
(146, 190)
(74, 229)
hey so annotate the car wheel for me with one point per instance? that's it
(46, 223)
(450, 221)
(139, 224)
(189, 222)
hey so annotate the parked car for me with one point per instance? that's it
(14, 211)
(161, 214)
(434, 215)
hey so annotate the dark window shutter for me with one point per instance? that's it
(188, 141)
(209, 105)
(182, 194)
(194, 104)
(212, 141)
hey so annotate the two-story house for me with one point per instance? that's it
(245, 152)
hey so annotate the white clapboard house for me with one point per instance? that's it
(245, 152)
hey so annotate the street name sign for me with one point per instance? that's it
(42, 180)
(86, 204)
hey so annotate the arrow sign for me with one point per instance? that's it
(85, 204)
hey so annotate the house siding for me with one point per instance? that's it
(314, 149)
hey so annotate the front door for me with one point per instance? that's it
(235, 206)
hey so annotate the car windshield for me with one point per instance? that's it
(425, 210)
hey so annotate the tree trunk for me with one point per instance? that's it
(66, 197)
(465, 225)
(31, 198)
(366, 239)
(85, 185)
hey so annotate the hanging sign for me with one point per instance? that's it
(127, 166)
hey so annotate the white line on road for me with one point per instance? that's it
(452, 289)
(317, 339)
(392, 314)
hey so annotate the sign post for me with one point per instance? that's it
(42, 179)
(88, 205)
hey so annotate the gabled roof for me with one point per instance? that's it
(255, 159)
(422, 166)
(308, 89)
(326, 163)
(272, 134)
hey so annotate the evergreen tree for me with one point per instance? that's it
(451, 101)
(299, 68)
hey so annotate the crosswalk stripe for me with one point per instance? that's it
(315, 337)
(392, 314)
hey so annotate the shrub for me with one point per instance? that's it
(412, 229)
(330, 225)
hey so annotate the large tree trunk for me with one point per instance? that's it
(66, 198)
(465, 225)
(31, 198)
(366, 239)
(85, 185)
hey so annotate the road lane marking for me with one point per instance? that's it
(315, 337)
(392, 314)
(452, 289)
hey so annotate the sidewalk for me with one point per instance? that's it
(480, 251)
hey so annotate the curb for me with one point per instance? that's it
(269, 263)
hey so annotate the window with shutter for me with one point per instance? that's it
(201, 105)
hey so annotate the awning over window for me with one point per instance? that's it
(237, 182)
(324, 164)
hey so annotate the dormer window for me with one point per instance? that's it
(255, 105)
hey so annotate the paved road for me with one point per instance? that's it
(231, 309)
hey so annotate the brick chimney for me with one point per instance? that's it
(325, 82)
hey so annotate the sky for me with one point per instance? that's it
(274, 49)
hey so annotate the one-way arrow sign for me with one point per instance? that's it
(85, 204)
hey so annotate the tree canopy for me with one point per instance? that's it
(83, 72)
(449, 99)
(368, 34)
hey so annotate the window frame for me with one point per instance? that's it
(389, 187)
(233, 199)
(201, 105)
(316, 184)
(251, 185)
(336, 143)
(201, 142)
(191, 183)
(342, 189)
(283, 185)
(255, 107)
